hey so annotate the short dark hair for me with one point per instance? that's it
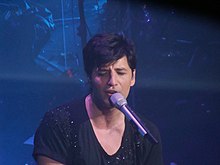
(107, 48)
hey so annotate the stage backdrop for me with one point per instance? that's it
(178, 82)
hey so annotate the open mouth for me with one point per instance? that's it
(110, 92)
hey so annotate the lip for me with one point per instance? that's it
(110, 92)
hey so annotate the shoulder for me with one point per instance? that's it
(55, 135)
(152, 128)
(70, 111)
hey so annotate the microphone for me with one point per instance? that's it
(121, 103)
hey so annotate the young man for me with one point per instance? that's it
(91, 131)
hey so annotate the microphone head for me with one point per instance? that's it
(118, 100)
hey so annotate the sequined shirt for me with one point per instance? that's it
(65, 134)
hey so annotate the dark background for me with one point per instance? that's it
(178, 82)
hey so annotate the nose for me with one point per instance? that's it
(112, 79)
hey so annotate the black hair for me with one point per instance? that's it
(107, 48)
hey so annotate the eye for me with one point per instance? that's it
(121, 73)
(102, 72)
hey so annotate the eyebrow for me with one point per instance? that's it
(121, 69)
(106, 68)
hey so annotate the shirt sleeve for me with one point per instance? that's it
(50, 138)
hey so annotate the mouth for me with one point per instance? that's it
(110, 92)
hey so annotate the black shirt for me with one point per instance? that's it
(65, 134)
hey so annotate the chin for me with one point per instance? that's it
(107, 104)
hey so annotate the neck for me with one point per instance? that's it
(103, 118)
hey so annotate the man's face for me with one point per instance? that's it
(111, 78)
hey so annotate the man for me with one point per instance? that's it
(91, 131)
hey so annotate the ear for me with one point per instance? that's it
(133, 78)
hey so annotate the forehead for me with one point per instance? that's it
(122, 62)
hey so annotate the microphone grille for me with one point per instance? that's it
(118, 100)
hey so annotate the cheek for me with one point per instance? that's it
(128, 82)
(97, 84)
